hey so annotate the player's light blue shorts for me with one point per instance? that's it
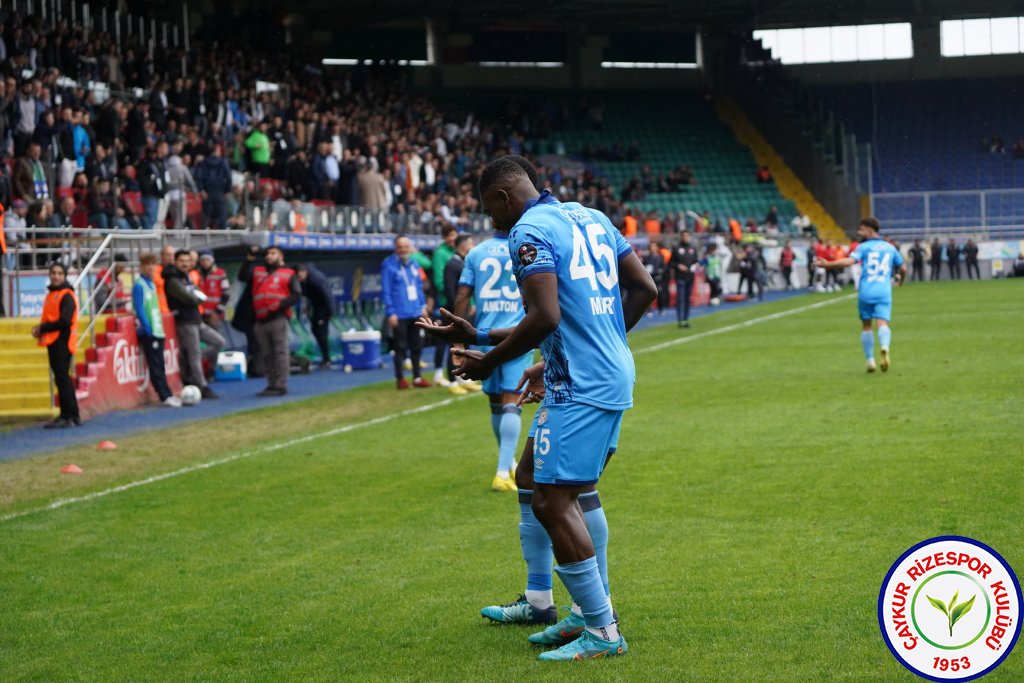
(507, 375)
(572, 442)
(878, 310)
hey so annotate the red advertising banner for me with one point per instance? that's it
(115, 375)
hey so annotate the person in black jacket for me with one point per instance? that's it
(183, 299)
(317, 290)
(153, 183)
(971, 259)
(654, 263)
(684, 258)
(953, 259)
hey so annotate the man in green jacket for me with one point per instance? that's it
(258, 145)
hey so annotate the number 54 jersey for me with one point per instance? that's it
(879, 260)
(587, 359)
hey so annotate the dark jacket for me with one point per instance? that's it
(152, 177)
(181, 298)
(684, 254)
(452, 274)
(213, 176)
(317, 290)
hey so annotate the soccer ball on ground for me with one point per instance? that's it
(190, 395)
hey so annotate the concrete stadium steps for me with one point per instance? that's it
(786, 180)
(25, 369)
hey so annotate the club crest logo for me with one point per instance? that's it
(543, 417)
(949, 609)
(527, 254)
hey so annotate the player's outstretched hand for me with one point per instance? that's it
(457, 331)
(469, 364)
(533, 380)
(820, 263)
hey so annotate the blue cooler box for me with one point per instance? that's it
(361, 350)
(231, 366)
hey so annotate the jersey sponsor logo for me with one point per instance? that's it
(527, 254)
(949, 609)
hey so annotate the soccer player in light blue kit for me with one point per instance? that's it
(879, 260)
(570, 263)
(487, 278)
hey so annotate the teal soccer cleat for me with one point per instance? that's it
(587, 646)
(565, 631)
(520, 612)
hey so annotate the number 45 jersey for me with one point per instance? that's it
(879, 260)
(587, 359)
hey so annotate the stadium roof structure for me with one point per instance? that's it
(660, 15)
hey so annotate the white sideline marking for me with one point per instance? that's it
(62, 502)
(740, 326)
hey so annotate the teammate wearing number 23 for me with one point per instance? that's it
(879, 261)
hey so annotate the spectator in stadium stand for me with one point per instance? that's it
(772, 217)
(764, 175)
(150, 329)
(3, 259)
(953, 259)
(179, 184)
(630, 224)
(213, 179)
(184, 299)
(275, 290)
(62, 217)
(916, 254)
(404, 303)
(102, 205)
(101, 165)
(438, 263)
(14, 226)
(654, 263)
(39, 188)
(58, 332)
(317, 291)
(786, 259)
(258, 145)
(215, 284)
(684, 258)
(373, 191)
(936, 260)
(971, 259)
(152, 174)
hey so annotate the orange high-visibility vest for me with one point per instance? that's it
(652, 226)
(51, 314)
(630, 224)
(158, 283)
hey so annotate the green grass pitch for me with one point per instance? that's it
(763, 486)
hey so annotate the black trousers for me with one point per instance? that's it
(917, 272)
(60, 364)
(787, 275)
(684, 288)
(973, 265)
(153, 348)
(407, 340)
(936, 272)
(320, 322)
(954, 270)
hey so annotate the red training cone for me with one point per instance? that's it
(71, 469)
(106, 446)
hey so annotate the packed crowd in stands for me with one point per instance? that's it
(188, 139)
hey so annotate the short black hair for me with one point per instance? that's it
(505, 168)
(182, 252)
(461, 239)
(872, 223)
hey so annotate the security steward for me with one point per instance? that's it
(275, 290)
(58, 332)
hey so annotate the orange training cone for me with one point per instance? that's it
(106, 446)
(71, 469)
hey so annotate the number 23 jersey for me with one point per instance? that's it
(587, 359)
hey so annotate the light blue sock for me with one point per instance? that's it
(536, 546)
(597, 525)
(884, 336)
(508, 435)
(583, 579)
(867, 340)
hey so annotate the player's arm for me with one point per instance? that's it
(640, 289)
(462, 299)
(901, 275)
(838, 263)
(541, 289)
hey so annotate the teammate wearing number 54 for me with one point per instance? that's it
(570, 263)
(879, 260)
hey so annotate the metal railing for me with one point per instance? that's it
(985, 214)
